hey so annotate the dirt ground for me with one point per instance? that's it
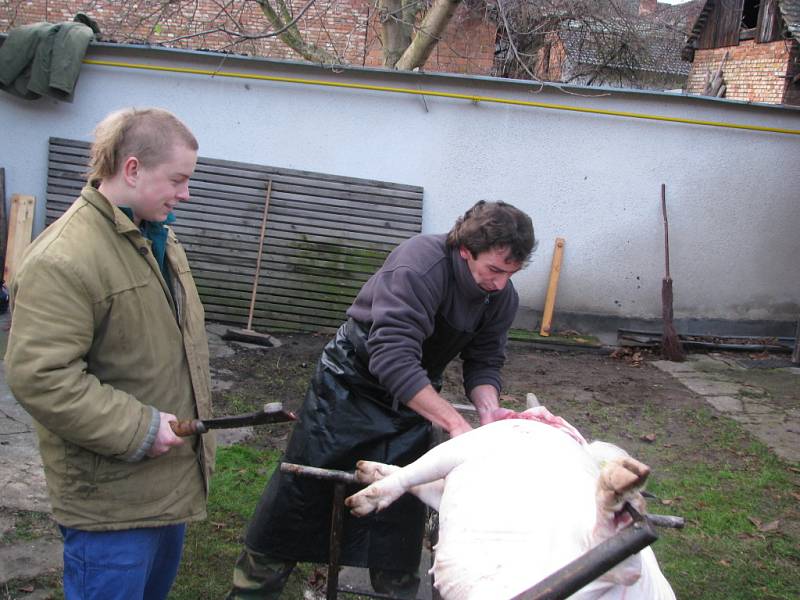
(666, 414)
(679, 418)
(622, 399)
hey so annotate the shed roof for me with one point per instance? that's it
(658, 51)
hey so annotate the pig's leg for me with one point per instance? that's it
(430, 467)
(620, 481)
(368, 472)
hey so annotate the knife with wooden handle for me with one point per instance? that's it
(271, 413)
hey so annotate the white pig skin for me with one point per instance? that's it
(518, 500)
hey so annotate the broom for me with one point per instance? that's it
(671, 348)
(248, 334)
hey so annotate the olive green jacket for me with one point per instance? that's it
(97, 348)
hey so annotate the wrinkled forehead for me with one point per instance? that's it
(500, 256)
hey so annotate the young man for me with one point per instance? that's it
(375, 394)
(107, 346)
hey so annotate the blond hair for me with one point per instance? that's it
(149, 134)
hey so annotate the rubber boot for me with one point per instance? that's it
(258, 576)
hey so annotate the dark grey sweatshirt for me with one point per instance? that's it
(421, 278)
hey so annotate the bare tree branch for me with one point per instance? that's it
(428, 33)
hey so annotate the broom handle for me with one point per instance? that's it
(666, 227)
(258, 259)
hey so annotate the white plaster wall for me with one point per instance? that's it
(592, 179)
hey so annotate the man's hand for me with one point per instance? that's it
(165, 438)
(487, 402)
(439, 411)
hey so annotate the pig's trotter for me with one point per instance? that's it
(376, 497)
(368, 472)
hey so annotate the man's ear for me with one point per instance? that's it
(130, 170)
(464, 253)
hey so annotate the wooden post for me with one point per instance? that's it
(796, 353)
(20, 229)
(2, 218)
(552, 288)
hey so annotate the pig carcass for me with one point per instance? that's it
(518, 499)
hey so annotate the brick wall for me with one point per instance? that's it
(347, 29)
(753, 72)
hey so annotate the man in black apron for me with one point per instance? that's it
(375, 394)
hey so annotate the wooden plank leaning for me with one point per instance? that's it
(552, 288)
(20, 230)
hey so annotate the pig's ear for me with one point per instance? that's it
(620, 481)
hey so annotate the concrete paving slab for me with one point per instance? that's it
(21, 471)
(726, 404)
(29, 559)
(673, 367)
(707, 387)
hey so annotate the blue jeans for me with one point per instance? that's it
(132, 564)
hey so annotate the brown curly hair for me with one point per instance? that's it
(489, 225)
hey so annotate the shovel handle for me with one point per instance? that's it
(187, 428)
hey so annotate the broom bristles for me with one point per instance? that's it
(671, 348)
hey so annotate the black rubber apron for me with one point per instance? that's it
(346, 417)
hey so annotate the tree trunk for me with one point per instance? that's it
(428, 34)
(397, 22)
(292, 36)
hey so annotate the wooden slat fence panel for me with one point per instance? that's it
(325, 235)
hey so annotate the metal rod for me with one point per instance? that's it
(666, 521)
(594, 563)
(334, 549)
(318, 473)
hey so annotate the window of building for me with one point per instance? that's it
(750, 14)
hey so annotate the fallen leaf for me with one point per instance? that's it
(648, 437)
(725, 563)
(507, 398)
(26, 588)
(666, 502)
(771, 526)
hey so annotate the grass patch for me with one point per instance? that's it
(29, 525)
(46, 586)
(735, 544)
(573, 339)
(213, 545)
